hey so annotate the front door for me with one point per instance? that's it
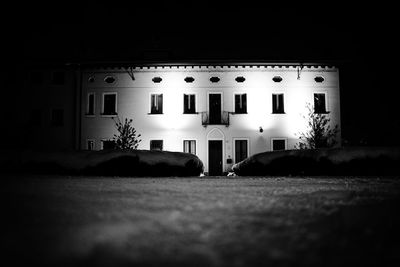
(215, 108)
(214, 157)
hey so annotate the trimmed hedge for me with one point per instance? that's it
(336, 161)
(104, 163)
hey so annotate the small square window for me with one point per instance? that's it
(156, 145)
(110, 104)
(57, 117)
(189, 146)
(189, 104)
(319, 103)
(240, 103)
(278, 144)
(108, 144)
(277, 104)
(58, 77)
(156, 104)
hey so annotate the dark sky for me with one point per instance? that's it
(361, 36)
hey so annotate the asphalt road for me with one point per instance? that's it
(77, 221)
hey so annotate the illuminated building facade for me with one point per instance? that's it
(223, 113)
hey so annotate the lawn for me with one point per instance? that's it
(77, 221)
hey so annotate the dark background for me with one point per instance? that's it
(360, 37)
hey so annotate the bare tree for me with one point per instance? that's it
(126, 139)
(319, 133)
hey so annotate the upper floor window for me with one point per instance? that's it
(240, 79)
(189, 146)
(189, 104)
(319, 79)
(214, 79)
(189, 79)
(57, 117)
(320, 103)
(156, 145)
(58, 77)
(278, 144)
(90, 104)
(157, 79)
(277, 103)
(240, 103)
(277, 79)
(156, 104)
(109, 104)
(109, 79)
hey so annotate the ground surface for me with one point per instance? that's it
(200, 221)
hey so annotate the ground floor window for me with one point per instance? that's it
(90, 144)
(189, 146)
(107, 144)
(156, 144)
(278, 144)
(241, 150)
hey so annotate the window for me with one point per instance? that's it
(90, 144)
(58, 77)
(319, 79)
(156, 145)
(189, 104)
(278, 144)
(240, 103)
(241, 150)
(277, 103)
(91, 79)
(319, 103)
(240, 79)
(189, 79)
(109, 104)
(109, 79)
(90, 104)
(156, 104)
(214, 79)
(189, 146)
(57, 117)
(107, 144)
(277, 79)
(156, 79)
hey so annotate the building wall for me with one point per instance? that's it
(133, 101)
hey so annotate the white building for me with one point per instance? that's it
(223, 113)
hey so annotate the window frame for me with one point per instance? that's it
(272, 102)
(150, 106)
(87, 114)
(279, 138)
(234, 146)
(102, 142)
(195, 103)
(234, 102)
(103, 102)
(158, 139)
(326, 102)
(195, 145)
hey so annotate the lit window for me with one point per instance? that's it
(109, 104)
(278, 144)
(319, 103)
(240, 103)
(58, 77)
(156, 145)
(156, 79)
(189, 104)
(57, 117)
(241, 151)
(277, 79)
(189, 146)
(240, 79)
(277, 104)
(107, 144)
(214, 79)
(156, 104)
(189, 79)
(90, 104)
(109, 79)
(90, 144)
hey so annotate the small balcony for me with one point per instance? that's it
(214, 118)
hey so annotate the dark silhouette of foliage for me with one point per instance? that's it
(319, 133)
(126, 139)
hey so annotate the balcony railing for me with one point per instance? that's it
(215, 119)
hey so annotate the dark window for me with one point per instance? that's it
(189, 146)
(214, 79)
(319, 79)
(156, 144)
(36, 78)
(277, 103)
(109, 79)
(240, 79)
(108, 144)
(90, 104)
(189, 79)
(156, 104)
(57, 117)
(240, 103)
(278, 144)
(90, 145)
(240, 150)
(91, 79)
(58, 77)
(110, 104)
(189, 104)
(156, 79)
(35, 117)
(277, 79)
(319, 103)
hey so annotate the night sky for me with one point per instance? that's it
(358, 37)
